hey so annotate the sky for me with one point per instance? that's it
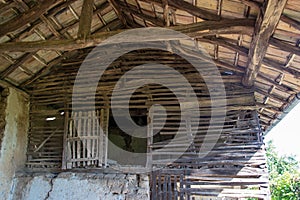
(286, 134)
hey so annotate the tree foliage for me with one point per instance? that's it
(283, 174)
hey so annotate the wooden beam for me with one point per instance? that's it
(189, 8)
(285, 46)
(45, 70)
(72, 44)
(120, 15)
(5, 83)
(85, 22)
(290, 21)
(265, 26)
(133, 10)
(223, 42)
(15, 65)
(28, 16)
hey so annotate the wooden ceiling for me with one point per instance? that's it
(256, 40)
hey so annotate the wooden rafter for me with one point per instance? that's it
(14, 66)
(85, 22)
(285, 46)
(118, 12)
(28, 16)
(290, 21)
(47, 68)
(133, 10)
(189, 8)
(265, 26)
(8, 84)
(72, 44)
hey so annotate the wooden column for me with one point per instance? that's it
(85, 22)
(266, 24)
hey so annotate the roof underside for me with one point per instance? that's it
(259, 43)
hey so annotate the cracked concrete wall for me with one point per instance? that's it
(14, 142)
(79, 186)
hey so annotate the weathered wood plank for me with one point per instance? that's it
(265, 26)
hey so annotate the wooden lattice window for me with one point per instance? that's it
(85, 142)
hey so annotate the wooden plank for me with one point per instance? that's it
(95, 39)
(85, 22)
(265, 26)
(28, 16)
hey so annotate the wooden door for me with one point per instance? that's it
(86, 142)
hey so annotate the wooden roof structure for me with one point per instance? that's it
(257, 41)
(254, 44)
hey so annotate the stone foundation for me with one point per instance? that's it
(79, 186)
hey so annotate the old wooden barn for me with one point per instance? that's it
(195, 84)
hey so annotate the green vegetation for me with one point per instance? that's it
(284, 175)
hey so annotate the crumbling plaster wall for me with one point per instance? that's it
(14, 141)
(92, 186)
(3, 101)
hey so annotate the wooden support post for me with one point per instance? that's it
(149, 138)
(66, 150)
(85, 22)
(265, 26)
(166, 12)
